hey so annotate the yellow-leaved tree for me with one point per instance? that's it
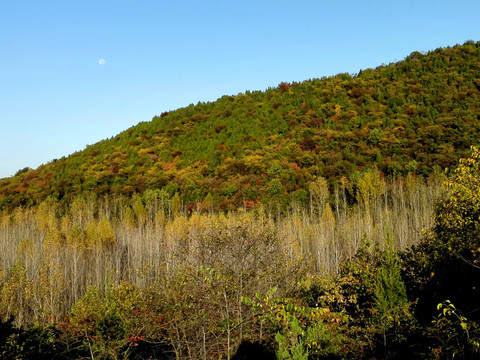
(445, 268)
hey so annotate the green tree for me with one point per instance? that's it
(446, 265)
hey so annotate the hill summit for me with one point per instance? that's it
(407, 117)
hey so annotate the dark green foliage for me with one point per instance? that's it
(442, 273)
(389, 292)
(282, 147)
(453, 243)
(404, 117)
(34, 343)
(253, 351)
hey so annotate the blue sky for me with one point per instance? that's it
(56, 96)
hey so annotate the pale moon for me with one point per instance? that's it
(101, 62)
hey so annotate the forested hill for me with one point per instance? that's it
(401, 118)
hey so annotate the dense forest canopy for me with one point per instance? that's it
(401, 118)
(106, 278)
(344, 239)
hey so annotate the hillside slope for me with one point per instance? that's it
(401, 118)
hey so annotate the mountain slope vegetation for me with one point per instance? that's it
(404, 117)
(355, 245)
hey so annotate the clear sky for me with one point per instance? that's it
(74, 72)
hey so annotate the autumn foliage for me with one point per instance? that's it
(310, 221)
